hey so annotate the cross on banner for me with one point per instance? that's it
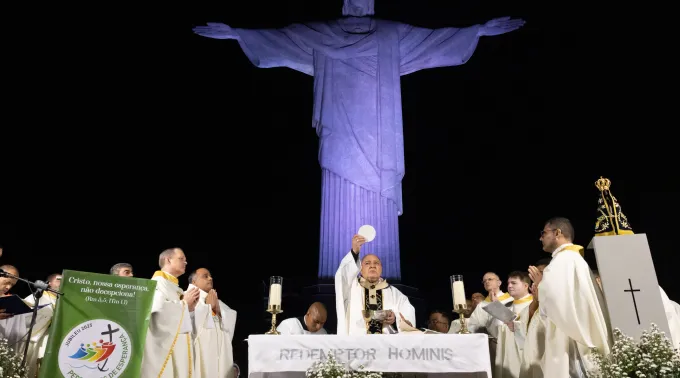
(110, 332)
(632, 292)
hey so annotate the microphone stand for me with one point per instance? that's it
(39, 286)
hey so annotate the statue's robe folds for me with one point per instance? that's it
(357, 115)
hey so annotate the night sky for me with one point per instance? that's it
(147, 136)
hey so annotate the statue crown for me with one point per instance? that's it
(603, 184)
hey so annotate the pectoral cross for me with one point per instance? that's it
(632, 292)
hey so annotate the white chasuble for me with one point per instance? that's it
(43, 320)
(14, 330)
(354, 294)
(673, 319)
(213, 335)
(574, 322)
(297, 326)
(168, 351)
(508, 351)
(530, 338)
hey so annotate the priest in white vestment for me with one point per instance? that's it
(214, 325)
(13, 328)
(168, 351)
(367, 293)
(510, 335)
(310, 324)
(41, 329)
(574, 321)
(530, 337)
(480, 321)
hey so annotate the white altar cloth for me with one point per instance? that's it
(465, 355)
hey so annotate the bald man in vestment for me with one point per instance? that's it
(368, 293)
(168, 350)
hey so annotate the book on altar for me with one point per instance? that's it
(13, 304)
(500, 312)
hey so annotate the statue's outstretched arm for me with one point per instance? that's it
(267, 48)
(422, 48)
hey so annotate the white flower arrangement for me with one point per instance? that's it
(331, 368)
(10, 362)
(652, 357)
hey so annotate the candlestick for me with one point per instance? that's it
(274, 307)
(459, 301)
(275, 294)
(458, 290)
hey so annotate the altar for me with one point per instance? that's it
(442, 354)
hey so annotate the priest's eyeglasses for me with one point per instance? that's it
(433, 322)
(549, 230)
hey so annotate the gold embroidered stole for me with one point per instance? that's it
(373, 301)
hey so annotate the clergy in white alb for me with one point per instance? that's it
(510, 336)
(673, 319)
(481, 321)
(214, 324)
(168, 350)
(574, 321)
(13, 328)
(530, 338)
(309, 324)
(364, 294)
(39, 335)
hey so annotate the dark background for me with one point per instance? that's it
(135, 135)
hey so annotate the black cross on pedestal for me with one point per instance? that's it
(632, 292)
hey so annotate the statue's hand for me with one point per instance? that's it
(499, 26)
(215, 30)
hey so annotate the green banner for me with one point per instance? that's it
(99, 326)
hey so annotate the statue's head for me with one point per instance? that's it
(358, 8)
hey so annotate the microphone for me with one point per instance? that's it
(40, 285)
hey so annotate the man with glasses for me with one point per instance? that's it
(569, 308)
(439, 321)
(480, 320)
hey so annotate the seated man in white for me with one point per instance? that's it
(310, 324)
(213, 329)
(439, 321)
(356, 296)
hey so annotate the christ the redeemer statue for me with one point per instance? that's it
(357, 62)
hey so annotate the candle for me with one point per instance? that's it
(275, 295)
(458, 293)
